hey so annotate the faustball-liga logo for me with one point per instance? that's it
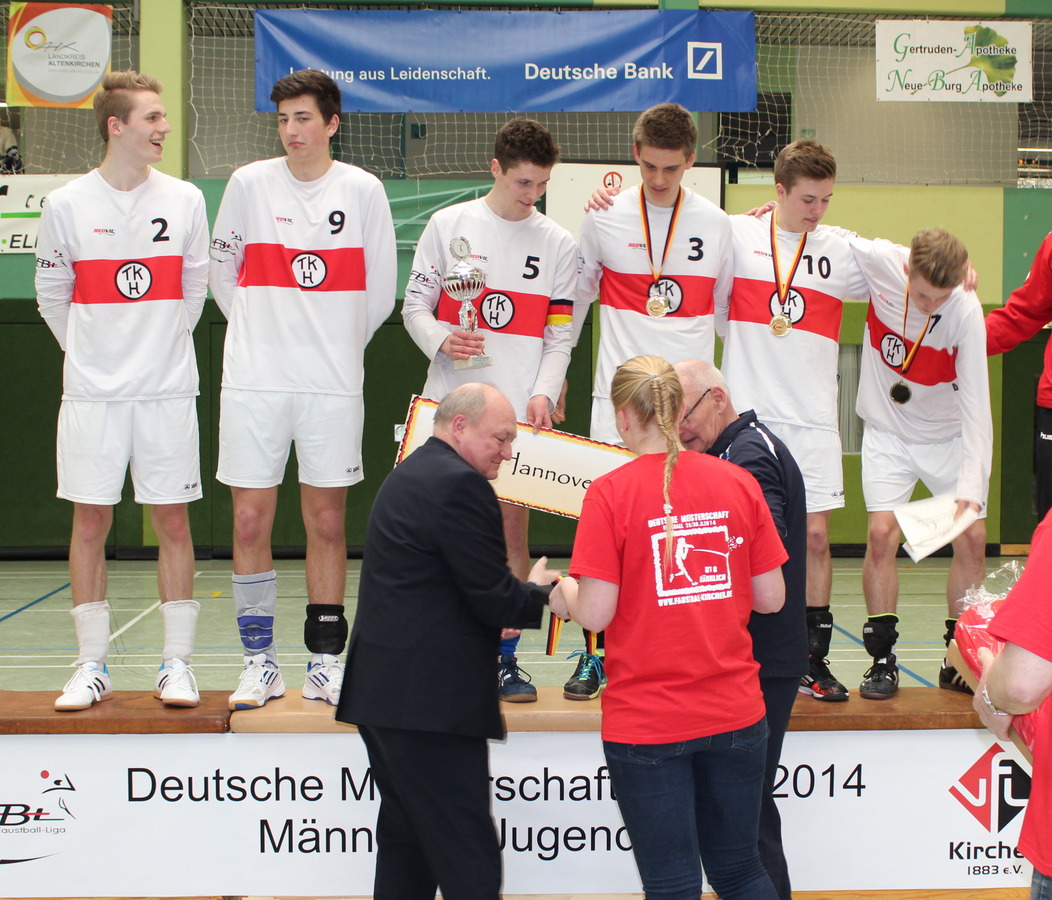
(994, 790)
(32, 826)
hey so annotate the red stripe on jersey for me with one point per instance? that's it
(623, 290)
(128, 280)
(930, 366)
(512, 312)
(275, 265)
(751, 302)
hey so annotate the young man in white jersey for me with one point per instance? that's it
(303, 266)
(781, 351)
(524, 313)
(924, 396)
(122, 261)
(659, 258)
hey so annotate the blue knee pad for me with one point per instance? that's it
(257, 632)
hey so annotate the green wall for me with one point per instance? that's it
(36, 521)
(1002, 228)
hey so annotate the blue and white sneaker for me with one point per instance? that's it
(514, 683)
(176, 685)
(260, 681)
(89, 684)
(324, 679)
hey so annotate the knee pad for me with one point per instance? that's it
(879, 635)
(257, 633)
(819, 632)
(951, 628)
(325, 629)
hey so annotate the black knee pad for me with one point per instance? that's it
(325, 629)
(951, 627)
(879, 635)
(819, 632)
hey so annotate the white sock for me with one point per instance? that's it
(92, 621)
(180, 628)
(323, 659)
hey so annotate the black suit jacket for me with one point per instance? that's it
(435, 591)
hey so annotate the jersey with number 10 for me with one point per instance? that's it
(305, 273)
(120, 280)
(789, 378)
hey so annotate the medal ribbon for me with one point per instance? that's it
(780, 286)
(656, 272)
(908, 361)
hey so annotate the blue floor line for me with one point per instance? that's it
(902, 668)
(34, 602)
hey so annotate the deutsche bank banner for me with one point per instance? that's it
(485, 61)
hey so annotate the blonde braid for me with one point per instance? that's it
(649, 386)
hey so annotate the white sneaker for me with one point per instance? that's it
(176, 685)
(261, 681)
(324, 680)
(88, 686)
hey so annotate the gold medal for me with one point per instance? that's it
(658, 305)
(781, 325)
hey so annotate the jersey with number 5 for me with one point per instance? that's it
(524, 310)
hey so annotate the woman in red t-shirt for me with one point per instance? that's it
(674, 550)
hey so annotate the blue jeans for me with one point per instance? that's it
(692, 799)
(1041, 887)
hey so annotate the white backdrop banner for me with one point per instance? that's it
(965, 62)
(549, 471)
(294, 814)
(21, 203)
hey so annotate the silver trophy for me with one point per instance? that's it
(464, 282)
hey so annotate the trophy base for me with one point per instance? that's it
(473, 362)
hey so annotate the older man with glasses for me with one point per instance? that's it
(711, 425)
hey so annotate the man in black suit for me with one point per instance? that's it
(780, 640)
(435, 591)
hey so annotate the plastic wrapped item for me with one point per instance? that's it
(972, 633)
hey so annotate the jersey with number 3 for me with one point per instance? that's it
(696, 273)
(524, 310)
(791, 378)
(305, 273)
(120, 280)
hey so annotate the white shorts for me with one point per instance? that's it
(99, 439)
(257, 428)
(891, 468)
(819, 455)
(603, 427)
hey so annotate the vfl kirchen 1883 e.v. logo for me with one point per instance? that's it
(32, 825)
(995, 789)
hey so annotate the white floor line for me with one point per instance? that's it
(138, 618)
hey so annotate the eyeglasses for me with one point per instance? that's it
(690, 411)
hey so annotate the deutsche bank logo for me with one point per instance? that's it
(705, 60)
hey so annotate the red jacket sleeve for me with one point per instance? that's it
(1028, 308)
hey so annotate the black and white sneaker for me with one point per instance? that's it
(881, 680)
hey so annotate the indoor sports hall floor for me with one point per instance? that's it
(37, 643)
